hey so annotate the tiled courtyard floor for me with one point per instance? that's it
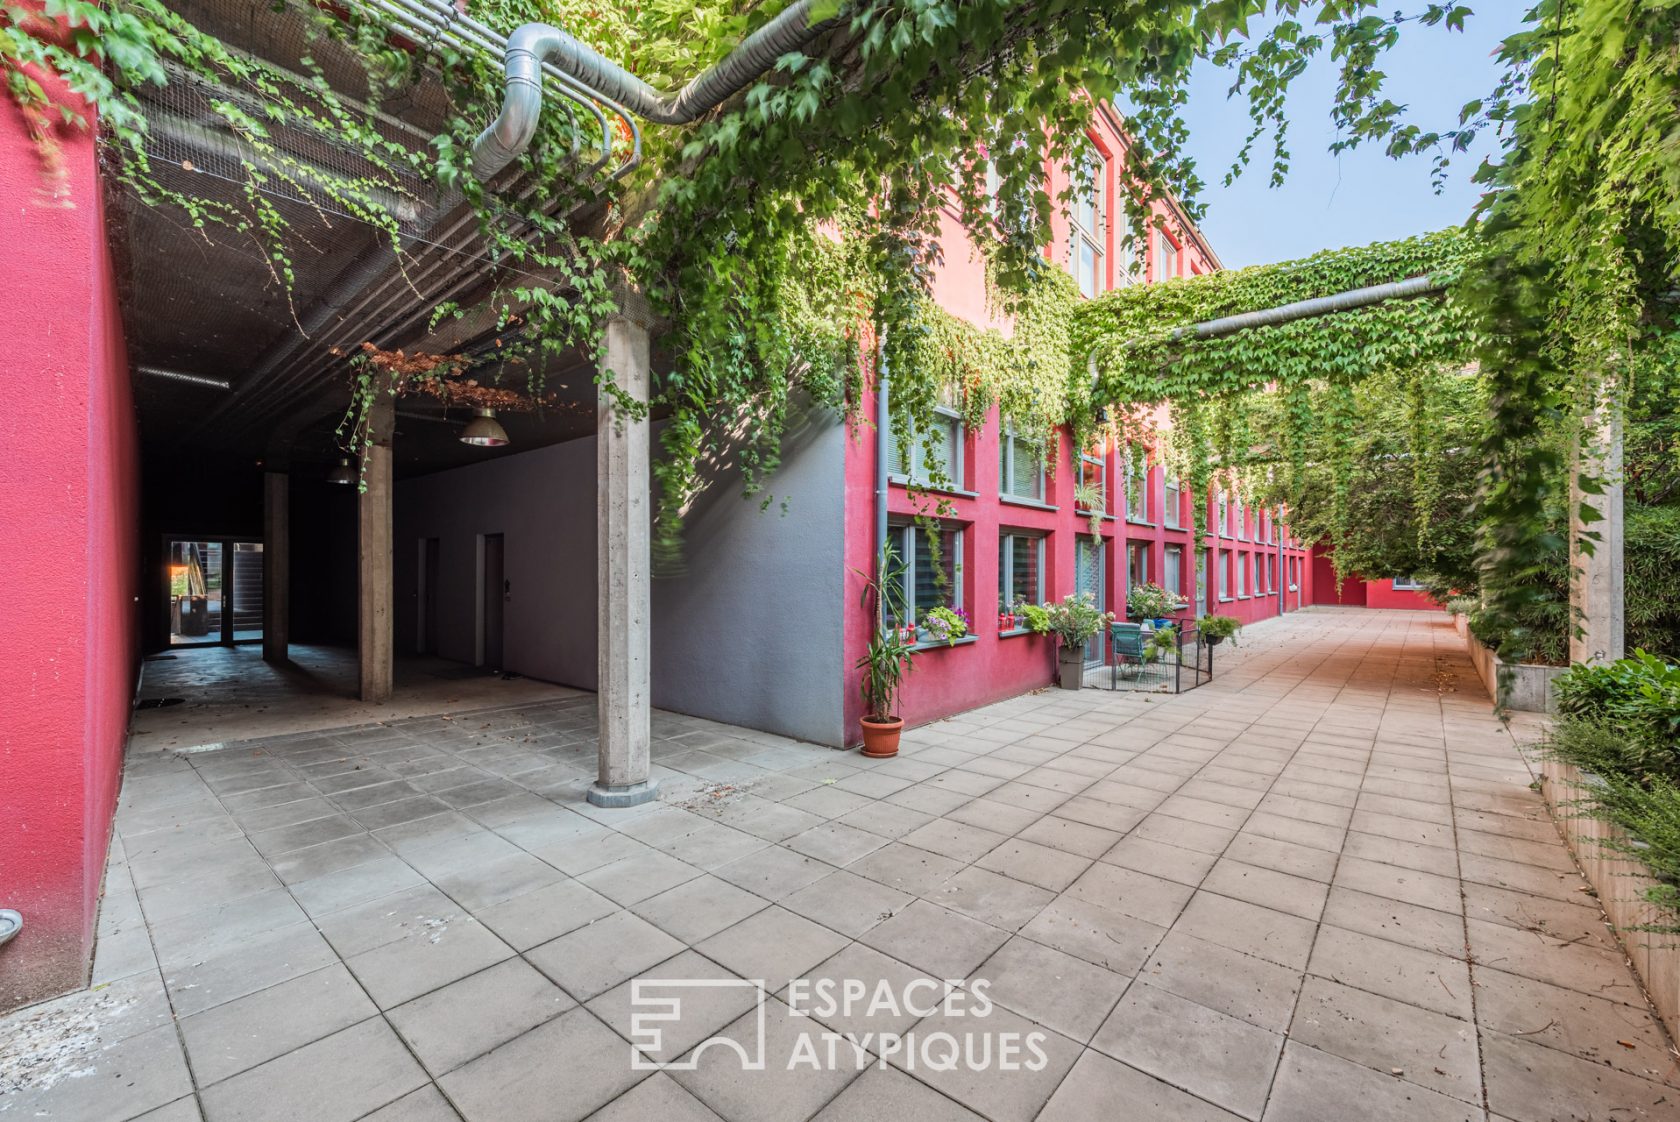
(1318, 889)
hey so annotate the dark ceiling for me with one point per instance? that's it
(204, 301)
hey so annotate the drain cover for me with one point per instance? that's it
(158, 702)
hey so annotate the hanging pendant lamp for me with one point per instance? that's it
(484, 431)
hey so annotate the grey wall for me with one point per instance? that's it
(748, 631)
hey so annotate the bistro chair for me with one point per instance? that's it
(1127, 643)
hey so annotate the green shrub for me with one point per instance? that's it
(1464, 605)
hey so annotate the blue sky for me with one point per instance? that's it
(1358, 197)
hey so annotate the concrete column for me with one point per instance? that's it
(623, 561)
(1596, 578)
(277, 565)
(374, 592)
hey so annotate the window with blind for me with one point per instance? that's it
(1093, 473)
(1172, 503)
(930, 456)
(932, 570)
(1020, 570)
(1224, 576)
(1137, 494)
(1137, 563)
(1222, 516)
(1172, 570)
(1242, 575)
(1166, 256)
(1020, 467)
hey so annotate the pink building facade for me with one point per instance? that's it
(1008, 532)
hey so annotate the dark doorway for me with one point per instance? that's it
(426, 630)
(495, 599)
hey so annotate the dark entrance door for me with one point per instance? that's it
(495, 599)
(426, 632)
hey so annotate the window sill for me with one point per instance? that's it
(940, 644)
(906, 482)
(1224, 599)
(1015, 633)
(1106, 517)
(1139, 521)
(1035, 504)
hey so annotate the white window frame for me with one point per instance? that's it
(1166, 256)
(1405, 584)
(1139, 550)
(1172, 502)
(1080, 235)
(1101, 463)
(917, 452)
(1132, 493)
(1224, 575)
(1241, 521)
(1168, 553)
(1007, 542)
(899, 537)
(1006, 467)
(1223, 506)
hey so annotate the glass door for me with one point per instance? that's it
(1088, 578)
(215, 592)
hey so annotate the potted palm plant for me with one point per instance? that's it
(886, 660)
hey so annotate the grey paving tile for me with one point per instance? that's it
(250, 1030)
(1408, 974)
(1313, 1085)
(836, 843)
(1040, 865)
(1224, 1060)
(847, 903)
(708, 996)
(1098, 1082)
(1240, 985)
(340, 1077)
(780, 1091)
(659, 1096)
(699, 908)
(773, 945)
(1064, 994)
(934, 939)
(560, 1071)
(84, 1079)
(599, 955)
(467, 1018)
(1011, 1072)
(1594, 1028)
(774, 872)
(535, 917)
(1132, 893)
(1387, 918)
(992, 898)
(907, 868)
(888, 1095)
(1390, 1037)
(438, 951)
(1240, 926)
(1096, 934)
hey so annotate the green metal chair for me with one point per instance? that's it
(1126, 642)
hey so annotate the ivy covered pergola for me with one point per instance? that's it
(681, 170)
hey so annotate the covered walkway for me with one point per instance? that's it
(1318, 888)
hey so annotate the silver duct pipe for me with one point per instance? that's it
(182, 376)
(511, 132)
(1319, 306)
(426, 21)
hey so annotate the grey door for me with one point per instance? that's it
(426, 632)
(495, 600)
(1088, 578)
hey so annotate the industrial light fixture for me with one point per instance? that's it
(342, 473)
(484, 431)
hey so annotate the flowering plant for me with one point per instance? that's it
(1151, 601)
(946, 625)
(1075, 620)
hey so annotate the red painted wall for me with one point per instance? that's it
(947, 680)
(68, 549)
(1359, 592)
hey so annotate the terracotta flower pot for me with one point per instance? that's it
(880, 738)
